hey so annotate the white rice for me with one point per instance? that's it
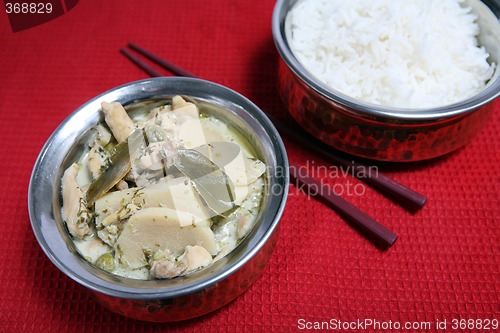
(407, 54)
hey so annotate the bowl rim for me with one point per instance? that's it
(369, 110)
(55, 245)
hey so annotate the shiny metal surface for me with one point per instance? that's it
(384, 133)
(161, 300)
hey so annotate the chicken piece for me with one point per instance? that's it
(121, 185)
(98, 157)
(164, 265)
(98, 160)
(103, 135)
(155, 115)
(118, 120)
(74, 211)
(195, 257)
(173, 121)
(166, 269)
(245, 223)
(167, 266)
(169, 126)
(157, 156)
(246, 215)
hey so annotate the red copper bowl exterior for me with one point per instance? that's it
(375, 137)
(196, 304)
(378, 132)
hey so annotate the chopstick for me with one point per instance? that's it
(162, 62)
(364, 223)
(371, 229)
(403, 195)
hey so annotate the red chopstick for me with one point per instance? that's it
(373, 230)
(162, 62)
(145, 67)
(370, 228)
(403, 195)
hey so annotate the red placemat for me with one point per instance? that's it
(444, 266)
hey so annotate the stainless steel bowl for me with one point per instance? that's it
(183, 297)
(383, 133)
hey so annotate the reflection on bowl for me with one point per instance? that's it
(184, 297)
(385, 133)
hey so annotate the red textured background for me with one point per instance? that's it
(445, 264)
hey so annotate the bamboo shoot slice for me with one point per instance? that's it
(158, 229)
(177, 193)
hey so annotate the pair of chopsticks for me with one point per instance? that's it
(371, 229)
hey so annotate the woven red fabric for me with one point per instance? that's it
(444, 266)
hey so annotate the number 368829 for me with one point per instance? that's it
(28, 8)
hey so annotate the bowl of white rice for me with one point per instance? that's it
(389, 80)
